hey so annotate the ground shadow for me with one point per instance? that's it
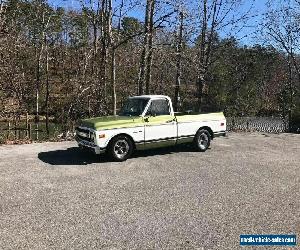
(77, 156)
(70, 156)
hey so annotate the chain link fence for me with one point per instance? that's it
(259, 124)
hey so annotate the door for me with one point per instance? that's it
(160, 125)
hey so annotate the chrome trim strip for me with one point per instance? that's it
(160, 140)
(186, 136)
(120, 128)
(198, 121)
(82, 134)
(85, 143)
(165, 139)
(160, 124)
(97, 150)
(86, 128)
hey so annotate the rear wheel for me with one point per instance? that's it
(120, 148)
(202, 140)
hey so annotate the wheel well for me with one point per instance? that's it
(209, 130)
(127, 135)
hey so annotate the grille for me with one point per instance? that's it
(84, 131)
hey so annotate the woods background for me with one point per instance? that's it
(58, 65)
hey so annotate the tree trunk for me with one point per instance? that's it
(104, 49)
(113, 80)
(47, 88)
(2, 9)
(201, 69)
(37, 93)
(95, 43)
(144, 76)
(178, 63)
(150, 49)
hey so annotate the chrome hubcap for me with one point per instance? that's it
(121, 148)
(203, 141)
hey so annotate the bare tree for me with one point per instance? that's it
(217, 15)
(43, 17)
(280, 28)
(2, 14)
(105, 39)
(178, 61)
(144, 76)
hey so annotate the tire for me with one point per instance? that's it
(120, 148)
(202, 140)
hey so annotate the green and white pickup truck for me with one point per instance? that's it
(145, 122)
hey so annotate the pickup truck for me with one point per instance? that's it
(148, 121)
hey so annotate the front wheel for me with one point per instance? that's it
(120, 148)
(202, 140)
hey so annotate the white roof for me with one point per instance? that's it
(151, 96)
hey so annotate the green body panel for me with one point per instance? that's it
(156, 144)
(112, 122)
(159, 144)
(184, 140)
(162, 143)
(156, 120)
(140, 146)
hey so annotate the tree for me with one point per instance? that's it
(216, 15)
(280, 27)
(144, 76)
(178, 61)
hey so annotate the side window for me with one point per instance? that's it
(159, 107)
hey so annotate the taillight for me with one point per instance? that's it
(222, 123)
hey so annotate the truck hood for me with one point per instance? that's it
(111, 122)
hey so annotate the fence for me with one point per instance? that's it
(23, 127)
(260, 124)
(18, 133)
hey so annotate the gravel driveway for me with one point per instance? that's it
(55, 197)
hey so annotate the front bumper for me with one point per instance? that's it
(90, 146)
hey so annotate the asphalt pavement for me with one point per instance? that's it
(54, 196)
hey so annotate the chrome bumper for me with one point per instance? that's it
(90, 146)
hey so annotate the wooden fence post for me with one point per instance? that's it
(29, 131)
(8, 130)
(37, 131)
(19, 130)
(290, 120)
(15, 128)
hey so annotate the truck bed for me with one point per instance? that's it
(189, 123)
(195, 116)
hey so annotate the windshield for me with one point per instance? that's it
(134, 107)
